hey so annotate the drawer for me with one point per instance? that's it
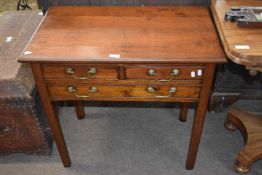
(164, 73)
(80, 72)
(59, 92)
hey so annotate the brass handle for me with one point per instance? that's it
(4, 130)
(171, 91)
(73, 90)
(91, 71)
(174, 72)
(151, 72)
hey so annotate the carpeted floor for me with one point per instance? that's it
(136, 141)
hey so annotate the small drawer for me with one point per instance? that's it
(165, 73)
(80, 72)
(139, 91)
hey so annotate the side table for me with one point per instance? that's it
(242, 45)
(160, 54)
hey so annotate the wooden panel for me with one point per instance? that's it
(53, 71)
(72, 2)
(171, 2)
(164, 72)
(111, 2)
(140, 34)
(114, 91)
(232, 35)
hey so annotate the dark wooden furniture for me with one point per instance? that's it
(233, 36)
(44, 4)
(23, 125)
(250, 126)
(157, 54)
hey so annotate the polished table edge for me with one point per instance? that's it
(233, 55)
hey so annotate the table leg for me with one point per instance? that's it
(51, 116)
(183, 112)
(200, 116)
(80, 111)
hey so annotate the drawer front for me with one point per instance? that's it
(59, 92)
(164, 73)
(80, 72)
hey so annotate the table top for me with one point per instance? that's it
(125, 34)
(233, 36)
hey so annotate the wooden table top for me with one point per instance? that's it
(131, 34)
(232, 35)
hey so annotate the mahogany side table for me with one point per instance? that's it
(161, 54)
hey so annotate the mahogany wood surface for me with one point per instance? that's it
(159, 38)
(200, 116)
(232, 35)
(163, 72)
(250, 126)
(137, 34)
(115, 91)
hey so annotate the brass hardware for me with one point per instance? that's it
(151, 72)
(151, 90)
(90, 72)
(72, 89)
(69, 70)
(171, 91)
(175, 72)
(4, 130)
(93, 89)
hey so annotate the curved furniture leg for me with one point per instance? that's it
(250, 126)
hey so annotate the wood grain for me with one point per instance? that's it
(250, 126)
(164, 72)
(57, 71)
(200, 114)
(116, 91)
(232, 35)
(138, 34)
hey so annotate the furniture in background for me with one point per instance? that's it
(160, 54)
(23, 126)
(242, 45)
(44, 4)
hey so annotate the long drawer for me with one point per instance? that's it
(67, 92)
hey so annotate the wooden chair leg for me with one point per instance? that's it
(80, 111)
(183, 112)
